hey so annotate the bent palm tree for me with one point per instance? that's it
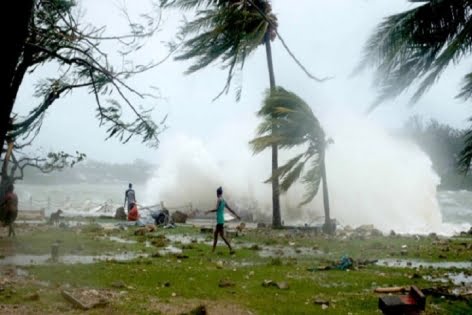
(417, 46)
(289, 122)
(229, 31)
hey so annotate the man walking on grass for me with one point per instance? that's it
(220, 219)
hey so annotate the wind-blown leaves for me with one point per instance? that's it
(289, 122)
(417, 46)
(224, 31)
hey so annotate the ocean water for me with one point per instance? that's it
(103, 199)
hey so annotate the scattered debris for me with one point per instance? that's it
(119, 284)
(241, 227)
(199, 310)
(181, 256)
(225, 283)
(120, 214)
(159, 241)
(32, 297)
(365, 262)
(416, 276)
(281, 285)
(55, 251)
(345, 263)
(255, 247)
(319, 301)
(144, 230)
(444, 292)
(74, 301)
(412, 303)
(390, 290)
(179, 217)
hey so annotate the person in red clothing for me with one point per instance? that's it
(133, 214)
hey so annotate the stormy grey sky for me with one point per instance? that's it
(326, 35)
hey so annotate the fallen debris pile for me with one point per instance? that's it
(86, 299)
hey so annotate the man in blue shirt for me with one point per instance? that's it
(220, 219)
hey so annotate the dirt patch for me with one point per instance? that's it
(185, 306)
(14, 309)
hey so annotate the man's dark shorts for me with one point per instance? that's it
(220, 228)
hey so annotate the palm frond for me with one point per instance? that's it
(418, 45)
(466, 91)
(291, 177)
(289, 122)
(259, 144)
(187, 4)
(465, 156)
(286, 168)
(224, 32)
(312, 180)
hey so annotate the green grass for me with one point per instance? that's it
(197, 277)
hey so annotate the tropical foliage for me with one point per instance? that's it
(224, 31)
(296, 126)
(417, 45)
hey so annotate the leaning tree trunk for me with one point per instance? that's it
(276, 218)
(5, 179)
(328, 226)
(17, 18)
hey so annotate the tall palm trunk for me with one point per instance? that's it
(328, 227)
(276, 218)
(17, 19)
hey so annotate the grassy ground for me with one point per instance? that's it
(175, 284)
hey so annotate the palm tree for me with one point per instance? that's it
(417, 46)
(229, 31)
(289, 122)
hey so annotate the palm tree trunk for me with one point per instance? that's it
(276, 217)
(328, 228)
(17, 18)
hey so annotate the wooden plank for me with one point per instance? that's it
(390, 290)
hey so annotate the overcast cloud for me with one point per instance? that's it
(326, 35)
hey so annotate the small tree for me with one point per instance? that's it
(57, 36)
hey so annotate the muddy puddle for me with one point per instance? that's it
(184, 239)
(120, 240)
(170, 250)
(401, 263)
(30, 260)
(459, 279)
